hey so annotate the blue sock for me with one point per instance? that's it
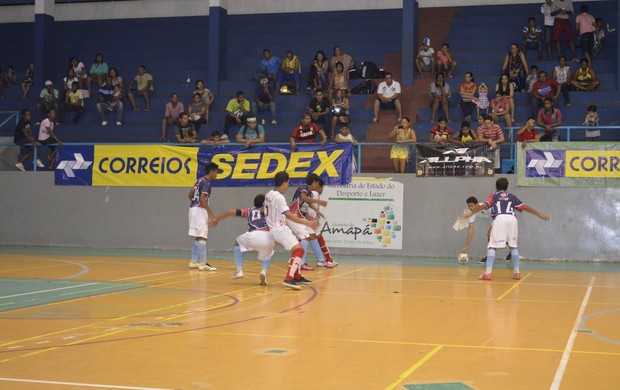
(316, 248)
(202, 251)
(195, 251)
(490, 260)
(266, 265)
(238, 258)
(304, 245)
(515, 259)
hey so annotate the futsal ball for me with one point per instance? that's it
(463, 258)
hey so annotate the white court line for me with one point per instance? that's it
(142, 276)
(559, 374)
(81, 384)
(52, 289)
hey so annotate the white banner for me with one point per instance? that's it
(366, 213)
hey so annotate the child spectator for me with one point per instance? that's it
(562, 76)
(599, 36)
(345, 136)
(592, 120)
(465, 135)
(28, 80)
(215, 139)
(532, 78)
(440, 133)
(482, 101)
(425, 60)
(467, 90)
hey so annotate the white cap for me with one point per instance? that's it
(48, 82)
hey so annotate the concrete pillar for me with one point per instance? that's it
(218, 15)
(409, 41)
(43, 44)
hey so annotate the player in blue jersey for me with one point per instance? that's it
(201, 217)
(257, 238)
(505, 228)
(485, 215)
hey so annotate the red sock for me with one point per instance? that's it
(324, 248)
(294, 264)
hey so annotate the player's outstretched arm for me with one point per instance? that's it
(309, 199)
(227, 213)
(477, 208)
(470, 234)
(537, 213)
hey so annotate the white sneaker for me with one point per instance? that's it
(20, 166)
(118, 123)
(224, 136)
(194, 265)
(237, 275)
(263, 278)
(40, 164)
(207, 267)
(104, 123)
(274, 122)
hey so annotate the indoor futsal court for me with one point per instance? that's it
(108, 319)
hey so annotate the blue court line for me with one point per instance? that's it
(591, 332)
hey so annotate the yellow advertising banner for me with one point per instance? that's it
(593, 163)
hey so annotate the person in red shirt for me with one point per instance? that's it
(527, 133)
(544, 88)
(306, 132)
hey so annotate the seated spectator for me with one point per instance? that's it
(464, 136)
(173, 109)
(110, 99)
(47, 136)
(98, 73)
(306, 132)
(143, 87)
(440, 133)
(388, 96)
(264, 99)
(527, 133)
(339, 79)
(599, 36)
(237, 111)
(591, 120)
(562, 10)
(74, 102)
(532, 77)
(445, 62)
(79, 70)
(251, 133)
(28, 80)
(562, 75)
(543, 88)
(206, 95)
(503, 103)
(532, 38)
(318, 108)
(339, 110)
(339, 56)
(515, 66)
(584, 78)
(67, 82)
(425, 59)
(290, 71)
(549, 118)
(115, 78)
(197, 112)
(23, 136)
(269, 66)
(467, 90)
(584, 25)
(11, 76)
(345, 136)
(402, 134)
(440, 93)
(215, 139)
(48, 99)
(491, 134)
(317, 73)
(184, 131)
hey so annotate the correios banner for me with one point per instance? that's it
(434, 160)
(179, 166)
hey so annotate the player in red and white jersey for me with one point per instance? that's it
(505, 228)
(277, 213)
(319, 246)
(201, 217)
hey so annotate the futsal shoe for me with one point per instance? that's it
(482, 261)
(509, 257)
(303, 280)
(291, 284)
(326, 264)
(263, 278)
(484, 276)
(237, 275)
(306, 267)
(207, 267)
(516, 276)
(194, 265)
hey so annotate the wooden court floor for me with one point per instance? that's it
(114, 321)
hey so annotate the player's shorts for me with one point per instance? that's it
(562, 27)
(301, 231)
(257, 240)
(284, 236)
(504, 231)
(198, 222)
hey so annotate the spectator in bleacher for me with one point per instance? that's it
(440, 133)
(318, 108)
(584, 78)
(445, 62)
(527, 133)
(543, 88)
(502, 105)
(264, 99)
(79, 70)
(206, 94)
(197, 112)
(548, 21)
(549, 118)
(68, 81)
(11, 77)
(144, 88)
(562, 76)
(440, 93)
(532, 38)
(114, 78)
(237, 112)
(465, 135)
(388, 96)
(23, 136)
(47, 136)
(339, 56)
(532, 77)
(184, 132)
(599, 36)
(425, 59)
(98, 73)
(216, 139)
(3, 83)
(515, 66)
(591, 120)
(74, 102)
(584, 25)
(339, 110)
(251, 133)
(467, 90)
(48, 99)
(317, 73)
(110, 99)
(306, 132)
(562, 10)
(269, 66)
(171, 114)
(339, 79)
(290, 71)
(402, 134)
(28, 80)
(491, 134)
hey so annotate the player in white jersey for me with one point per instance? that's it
(201, 217)
(505, 228)
(277, 213)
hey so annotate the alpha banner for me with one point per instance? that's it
(434, 160)
(569, 164)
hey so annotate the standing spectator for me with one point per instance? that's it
(290, 71)
(98, 73)
(339, 56)
(264, 98)
(201, 217)
(465, 135)
(144, 88)
(345, 136)
(548, 21)
(388, 96)
(549, 118)
(339, 110)
(440, 93)
(206, 95)
(527, 133)
(48, 99)
(184, 131)
(251, 133)
(339, 79)
(491, 134)
(591, 120)
(171, 114)
(73, 102)
(584, 25)
(543, 88)
(402, 134)
(23, 136)
(317, 74)
(482, 101)
(515, 65)
(269, 66)
(197, 112)
(79, 70)
(237, 111)
(47, 136)
(110, 100)
(306, 132)
(532, 38)
(28, 80)
(584, 78)
(562, 10)
(467, 90)
(503, 103)
(445, 62)
(425, 59)
(562, 76)
(441, 133)
(318, 108)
